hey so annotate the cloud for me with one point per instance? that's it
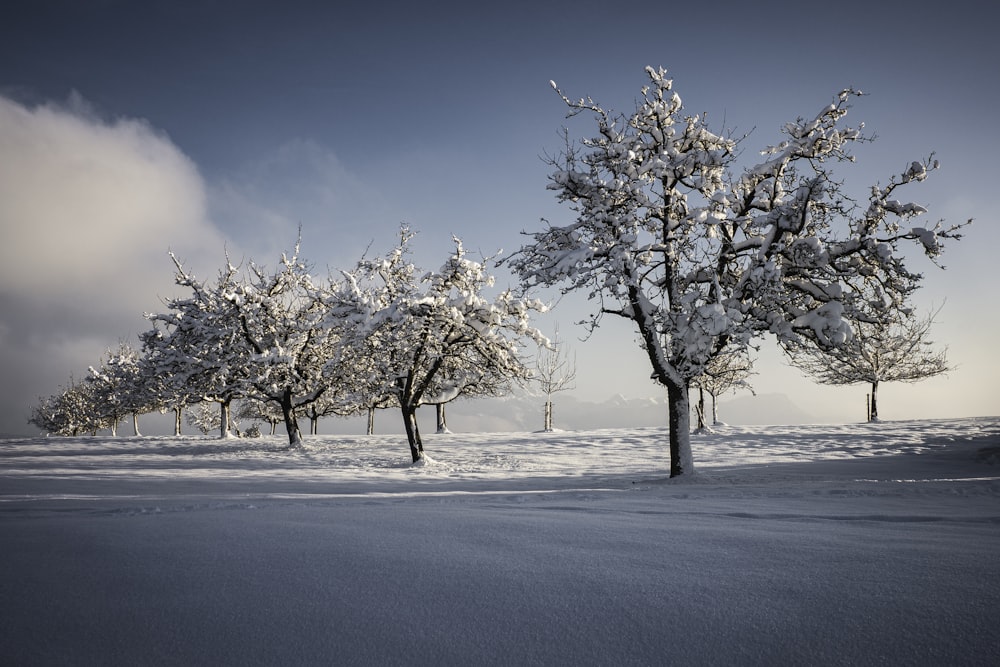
(88, 209)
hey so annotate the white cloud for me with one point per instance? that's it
(88, 210)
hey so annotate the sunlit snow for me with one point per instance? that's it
(856, 544)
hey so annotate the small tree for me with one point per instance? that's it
(162, 390)
(118, 385)
(328, 405)
(555, 371)
(699, 257)
(206, 418)
(894, 349)
(253, 409)
(464, 375)
(70, 412)
(48, 416)
(727, 371)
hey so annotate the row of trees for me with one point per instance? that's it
(702, 256)
(125, 385)
(381, 334)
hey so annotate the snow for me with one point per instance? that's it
(853, 544)
(928, 238)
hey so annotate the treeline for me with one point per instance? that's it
(282, 344)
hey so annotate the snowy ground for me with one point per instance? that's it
(858, 544)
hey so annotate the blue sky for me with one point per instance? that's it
(127, 128)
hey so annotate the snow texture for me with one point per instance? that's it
(856, 544)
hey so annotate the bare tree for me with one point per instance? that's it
(728, 371)
(895, 349)
(555, 371)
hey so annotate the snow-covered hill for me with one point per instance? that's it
(857, 544)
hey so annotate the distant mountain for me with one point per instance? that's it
(762, 409)
(525, 413)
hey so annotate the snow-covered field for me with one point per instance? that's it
(856, 544)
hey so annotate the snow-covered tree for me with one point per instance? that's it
(727, 371)
(47, 415)
(206, 418)
(295, 354)
(433, 336)
(555, 371)
(895, 349)
(165, 390)
(254, 409)
(699, 256)
(118, 387)
(196, 349)
(70, 412)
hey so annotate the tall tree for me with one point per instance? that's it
(433, 335)
(699, 256)
(892, 349)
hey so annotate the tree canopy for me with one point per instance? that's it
(436, 335)
(699, 253)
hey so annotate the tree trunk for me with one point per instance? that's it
(313, 425)
(700, 409)
(413, 433)
(715, 410)
(548, 416)
(874, 414)
(291, 423)
(442, 422)
(679, 405)
(135, 424)
(371, 421)
(177, 420)
(114, 427)
(224, 431)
